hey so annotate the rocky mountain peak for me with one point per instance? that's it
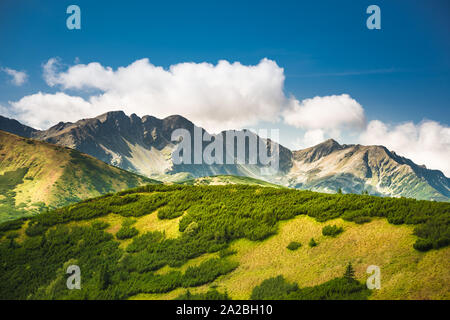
(59, 126)
(177, 121)
(318, 151)
(112, 116)
(329, 144)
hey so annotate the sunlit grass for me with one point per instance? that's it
(151, 222)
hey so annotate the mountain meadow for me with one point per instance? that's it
(232, 241)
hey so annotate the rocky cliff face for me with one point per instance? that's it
(356, 168)
(144, 145)
(137, 144)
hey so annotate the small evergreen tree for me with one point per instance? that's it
(349, 272)
(339, 191)
(105, 278)
(312, 243)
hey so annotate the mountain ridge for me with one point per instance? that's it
(15, 127)
(368, 167)
(144, 146)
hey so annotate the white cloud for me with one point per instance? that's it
(216, 97)
(222, 96)
(308, 139)
(18, 77)
(4, 110)
(50, 71)
(326, 113)
(42, 110)
(324, 117)
(425, 143)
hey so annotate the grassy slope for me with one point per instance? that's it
(50, 175)
(228, 179)
(406, 273)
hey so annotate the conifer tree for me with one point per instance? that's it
(349, 272)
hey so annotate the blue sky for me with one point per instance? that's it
(399, 73)
(316, 42)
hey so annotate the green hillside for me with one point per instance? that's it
(198, 242)
(228, 179)
(36, 175)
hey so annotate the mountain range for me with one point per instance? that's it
(144, 146)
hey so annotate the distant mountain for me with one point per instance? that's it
(143, 145)
(135, 144)
(355, 168)
(226, 179)
(35, 175)
(15, 127)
